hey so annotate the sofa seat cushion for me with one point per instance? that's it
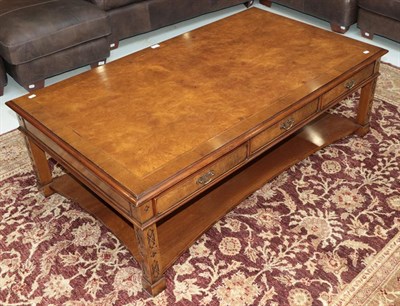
(387, 8)
(30, 29)
(112, 4)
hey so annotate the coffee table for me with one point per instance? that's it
(161, 144)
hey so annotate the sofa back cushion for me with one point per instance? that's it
(112, 4)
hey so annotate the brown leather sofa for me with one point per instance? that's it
(3, 77)
(341, 14)
(132, 17)
(379, 17)
(42, 38)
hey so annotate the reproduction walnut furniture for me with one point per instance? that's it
(171, 138)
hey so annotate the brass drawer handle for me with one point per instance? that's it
(206, 178)
(287, 125)
(350, 84)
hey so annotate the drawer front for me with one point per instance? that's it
(200, 179)
(283, 126)
(347, 85)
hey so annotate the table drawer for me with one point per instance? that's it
(283, 126)
(347, 85)
(200, 179)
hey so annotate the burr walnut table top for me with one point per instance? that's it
(155, 116)
(174, 137)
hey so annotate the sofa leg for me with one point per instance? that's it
(1, 91)
(338, 28)
(266, 2)
(98, 64)
(114, 45)
(249, 3)
(34, 86)
(366, 34)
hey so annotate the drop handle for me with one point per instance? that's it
(350, 84)
(287, 124)
(206, 178)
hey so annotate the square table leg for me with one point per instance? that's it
(364, 107)
(41, 167)
(150, 259)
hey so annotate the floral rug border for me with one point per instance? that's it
(15, 159)
(386, 264)
(388, 84)
(372, 279)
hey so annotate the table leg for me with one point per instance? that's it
(364, 107)
(40, 166)
(153, 280)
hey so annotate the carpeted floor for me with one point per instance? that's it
(325, 232)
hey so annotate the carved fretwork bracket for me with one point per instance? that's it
(150, 253)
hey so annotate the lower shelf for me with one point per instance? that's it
(178, 231)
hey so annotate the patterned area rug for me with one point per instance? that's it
(325, 232)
